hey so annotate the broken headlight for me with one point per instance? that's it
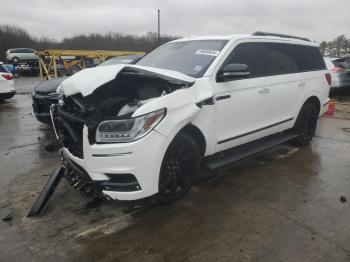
(127, 130)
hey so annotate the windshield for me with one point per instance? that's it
(130, 59)
(189, 57)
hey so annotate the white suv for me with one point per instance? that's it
(132, 131)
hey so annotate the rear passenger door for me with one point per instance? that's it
(286, 86)
(295, 70)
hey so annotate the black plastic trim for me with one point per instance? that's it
(222, 97)
(259, 33)
(254, 131)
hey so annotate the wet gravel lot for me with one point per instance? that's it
(287, 204)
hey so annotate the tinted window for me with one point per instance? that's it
(189, 57)
(249, 54)
(307, 58)
(279, 59)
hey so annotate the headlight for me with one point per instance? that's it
(127, 130)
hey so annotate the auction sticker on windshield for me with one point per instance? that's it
(207, 52)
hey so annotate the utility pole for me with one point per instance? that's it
(159, 26)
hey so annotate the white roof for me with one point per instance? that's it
(235, 37)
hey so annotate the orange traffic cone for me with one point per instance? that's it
(331, 108)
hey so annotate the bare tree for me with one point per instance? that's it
(13, 36)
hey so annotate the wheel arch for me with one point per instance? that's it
(314, 100)
(311, 97)
(197, 135)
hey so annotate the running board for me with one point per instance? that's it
(237, 153)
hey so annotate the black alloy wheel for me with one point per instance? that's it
(180, 163)
(305, 125)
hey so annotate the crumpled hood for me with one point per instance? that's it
(87, 80)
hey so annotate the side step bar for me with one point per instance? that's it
(47, 192)
(231, 155)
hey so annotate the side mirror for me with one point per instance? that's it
(233, 71)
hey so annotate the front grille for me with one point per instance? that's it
(69, 127)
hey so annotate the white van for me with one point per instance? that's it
(132, 131)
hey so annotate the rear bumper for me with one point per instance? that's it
(8, 95)
(324, 107)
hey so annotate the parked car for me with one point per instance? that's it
(20, 54)
(340, 71)
(134, 131)
(7, 85)
(44, 94)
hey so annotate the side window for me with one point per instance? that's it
(279, 59)
(308, 58)
(249, 54)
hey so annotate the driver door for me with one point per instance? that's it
(243, 106)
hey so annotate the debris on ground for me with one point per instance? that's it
(8, 217)
(343, 199)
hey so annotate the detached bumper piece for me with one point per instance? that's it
(47, 192)
(79, 179)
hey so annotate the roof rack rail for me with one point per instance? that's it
(259, 33)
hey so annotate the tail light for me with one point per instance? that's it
(329, 78)
(337, 69)
(8, 76)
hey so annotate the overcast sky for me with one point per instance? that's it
(316, 19)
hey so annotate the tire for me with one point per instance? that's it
(179, 166)
(305, 125)
(15, 60)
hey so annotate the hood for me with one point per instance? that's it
(48, 86)
(87, 80)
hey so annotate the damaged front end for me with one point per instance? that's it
(103, 112)
(108, 111)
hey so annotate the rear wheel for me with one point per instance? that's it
(180, 163)
(305, 125)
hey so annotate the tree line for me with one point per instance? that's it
(339, 47)
(16, 37)
(13, 36)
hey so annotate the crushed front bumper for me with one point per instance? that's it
(123, 171)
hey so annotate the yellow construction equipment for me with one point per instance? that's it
(72, 59)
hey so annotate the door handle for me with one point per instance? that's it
(301, 84)
(264, 90)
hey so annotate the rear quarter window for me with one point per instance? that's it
(307, 58)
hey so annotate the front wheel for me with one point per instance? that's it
(180, 163)
(305, 125)
(15, 60)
